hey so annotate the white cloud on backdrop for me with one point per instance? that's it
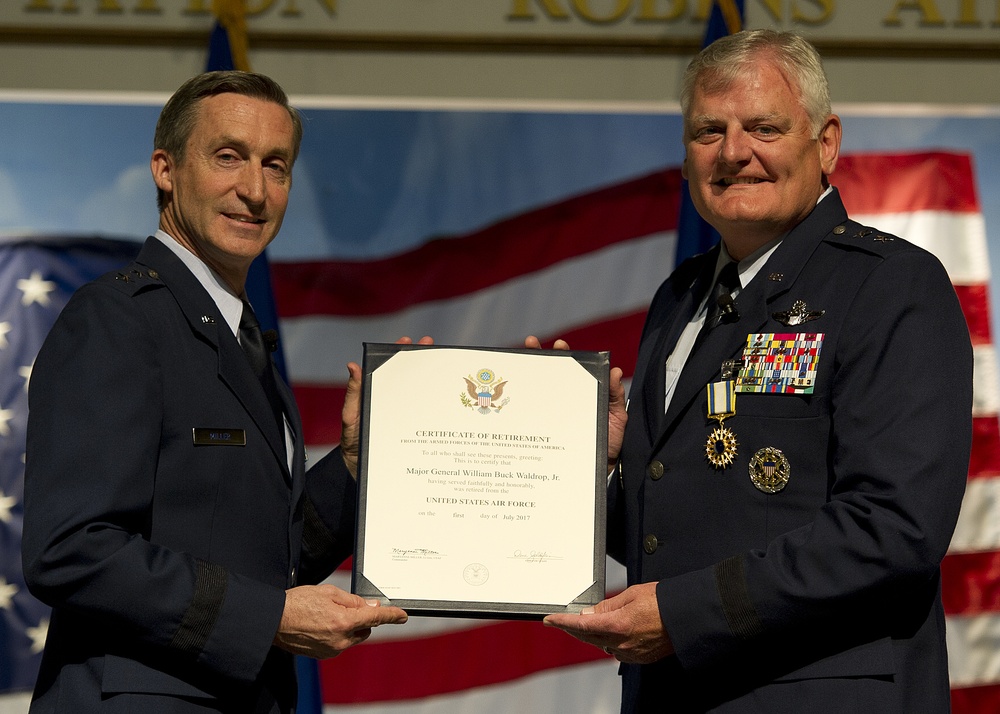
(126, 208)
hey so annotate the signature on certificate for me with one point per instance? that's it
(535, 556)
(415, 554)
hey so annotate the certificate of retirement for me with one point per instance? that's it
(482, 480)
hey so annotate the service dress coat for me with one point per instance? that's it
(823, 596)
(162, 523)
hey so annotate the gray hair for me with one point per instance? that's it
(726, 59)
(179, 115)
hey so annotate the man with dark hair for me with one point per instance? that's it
(798, 431)
(169, 521)
(180, 114)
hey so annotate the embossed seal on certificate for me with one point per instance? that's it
(476, 574)
(769, 470)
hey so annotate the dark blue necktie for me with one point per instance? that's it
(258, 354)
(720, 305)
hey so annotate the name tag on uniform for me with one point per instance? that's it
(210, 436)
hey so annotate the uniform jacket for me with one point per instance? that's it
(825, 596)
(161, 522)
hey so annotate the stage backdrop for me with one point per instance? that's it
(478, 225)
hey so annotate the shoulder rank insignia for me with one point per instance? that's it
(798, 314)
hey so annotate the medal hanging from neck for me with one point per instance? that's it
(720, 449)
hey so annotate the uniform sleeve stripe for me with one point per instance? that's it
(740, 613)
(198, 621)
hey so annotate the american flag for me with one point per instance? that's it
(37, 277)
(584, 269)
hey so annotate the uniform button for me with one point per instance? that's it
(655, 470)
(650, 544)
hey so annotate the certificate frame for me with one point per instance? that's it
(567, 579)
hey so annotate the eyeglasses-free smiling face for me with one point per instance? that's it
(228, 194)
(754, 167)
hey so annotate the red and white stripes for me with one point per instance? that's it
(585, 269)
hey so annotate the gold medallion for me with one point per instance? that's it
(769, 470)
(720, 449)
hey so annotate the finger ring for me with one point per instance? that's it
(607, 650)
